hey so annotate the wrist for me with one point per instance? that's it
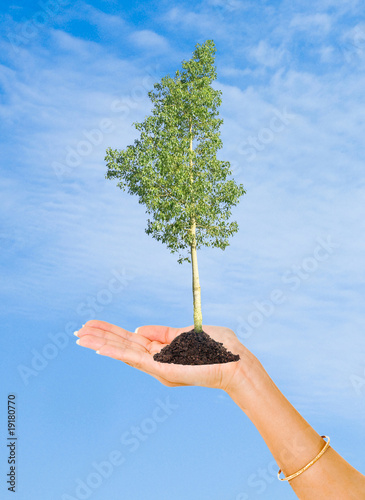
(249, 382)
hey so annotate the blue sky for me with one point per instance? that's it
(73, 79)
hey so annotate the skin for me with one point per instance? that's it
(291, 440)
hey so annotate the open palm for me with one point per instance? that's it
(137, 349)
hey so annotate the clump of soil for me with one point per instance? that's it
(192, 348)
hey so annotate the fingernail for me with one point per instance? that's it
(136, 330)
(78, 341)
(97, 352)
(76, 333)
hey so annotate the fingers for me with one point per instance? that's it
(130, 353)
(97, 341)
(119, 349)
(111, 332)
(143, 335)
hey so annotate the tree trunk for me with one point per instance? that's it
(198, 319)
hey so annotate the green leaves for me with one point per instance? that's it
(172, 167)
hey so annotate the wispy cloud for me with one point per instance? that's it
(316, 23)
(149, 40)
(266, 55)
(292, 130)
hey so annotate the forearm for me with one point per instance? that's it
(293, 442)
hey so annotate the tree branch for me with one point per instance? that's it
(168, 194)
(208, 227)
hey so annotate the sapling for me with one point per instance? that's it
(173, 167)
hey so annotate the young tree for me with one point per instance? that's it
(173, 167)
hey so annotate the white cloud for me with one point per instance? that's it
(355, 37)
(84, 48)
(108, 25)
(316, 23)
(327, 54)
(266, 55)
(199, 22)
(101, 19)
(341, 7)
(230, 71)
(149, 40)
(305, 181)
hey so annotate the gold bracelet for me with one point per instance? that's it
(308, 465)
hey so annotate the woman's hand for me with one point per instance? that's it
(137, 350)
(292, 441)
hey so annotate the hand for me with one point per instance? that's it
(289, 437)
(137, 350)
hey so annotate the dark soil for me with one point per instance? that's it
(191, 348)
